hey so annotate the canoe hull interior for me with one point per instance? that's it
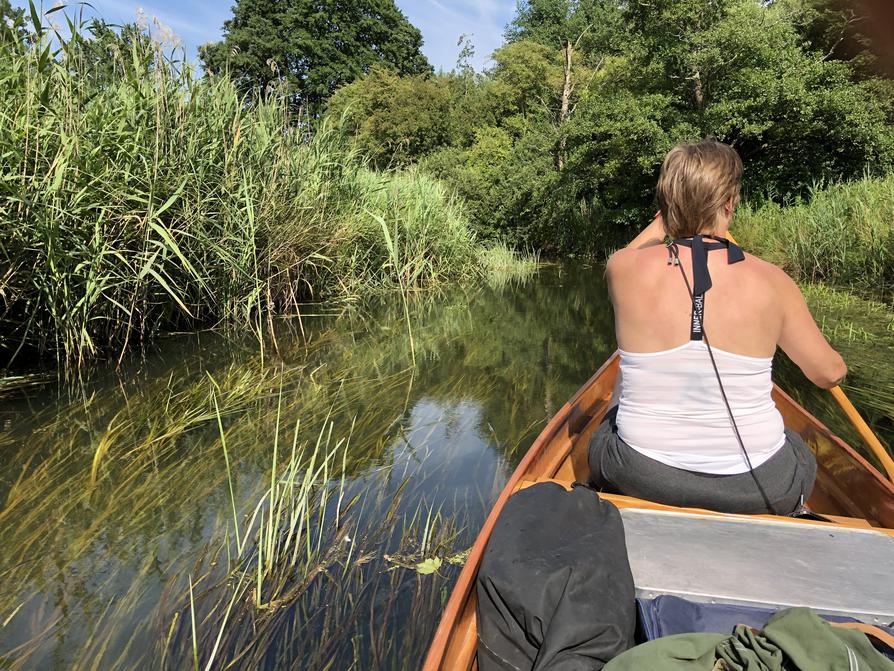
(848, 488)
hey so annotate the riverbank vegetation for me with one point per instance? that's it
(137, 198)
(841, 235)
(558, 144)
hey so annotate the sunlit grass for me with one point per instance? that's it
(137, 198)
(843, 235)
(503, 265)
(863, 331)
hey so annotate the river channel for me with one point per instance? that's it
(306, 504)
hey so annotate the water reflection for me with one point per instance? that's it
(103, 548)
(118, 503)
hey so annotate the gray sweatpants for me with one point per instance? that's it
(785, 477)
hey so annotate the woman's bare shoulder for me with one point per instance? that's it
(770, 271)
(628, 258)
(781, 287)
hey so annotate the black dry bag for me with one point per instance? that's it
(554, 587)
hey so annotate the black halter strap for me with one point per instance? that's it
(701, 278)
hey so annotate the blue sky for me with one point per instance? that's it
(441, 22)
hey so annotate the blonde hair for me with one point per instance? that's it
(697, 180)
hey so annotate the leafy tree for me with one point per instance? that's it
(834, 28)
(525, 80)
(553, 22)
(464, 66)
(559, 144)
(500, 177)
(672, 43)
(736, 70)
(313, 46)
(12, 23)
(795, 117)
(395, 120)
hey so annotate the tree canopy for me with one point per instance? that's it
(313, 46)
(558, 145)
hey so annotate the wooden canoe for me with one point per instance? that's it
(849, 491)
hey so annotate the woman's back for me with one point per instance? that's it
(671, 408)
(653, 308)
(698, 323)
(752, 308)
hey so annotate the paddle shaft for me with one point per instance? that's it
(863, 429)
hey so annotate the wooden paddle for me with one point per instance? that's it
(863, 429)
(875, 445)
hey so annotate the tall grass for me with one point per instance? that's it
(842, 235)
(503, 265)
(137, 198)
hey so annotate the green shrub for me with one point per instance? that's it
(136, 198)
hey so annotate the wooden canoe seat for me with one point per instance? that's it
(622, 501)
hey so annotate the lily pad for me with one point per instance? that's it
(429, 565)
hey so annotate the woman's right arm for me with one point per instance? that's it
(802, 340)
(653, 234)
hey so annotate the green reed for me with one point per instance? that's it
(137, 198)
(842, 235)
(504, 265)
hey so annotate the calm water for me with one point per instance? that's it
(120, 525)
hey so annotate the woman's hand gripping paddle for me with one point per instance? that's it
(875, 445)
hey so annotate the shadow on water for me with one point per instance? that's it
(308, 508)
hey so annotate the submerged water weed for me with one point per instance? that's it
(271, 559)
(100, 560)
(137, 198)
(302, 593)
(216, 523)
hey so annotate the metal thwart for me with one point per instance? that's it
(764, 563)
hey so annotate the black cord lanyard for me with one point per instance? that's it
(701, 278)
(701, 283)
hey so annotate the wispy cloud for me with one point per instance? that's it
(194, 22)
(441, 22)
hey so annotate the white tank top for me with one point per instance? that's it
(671, 409)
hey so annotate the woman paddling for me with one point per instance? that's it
(695, 424)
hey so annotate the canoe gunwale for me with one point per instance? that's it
(459, 610)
